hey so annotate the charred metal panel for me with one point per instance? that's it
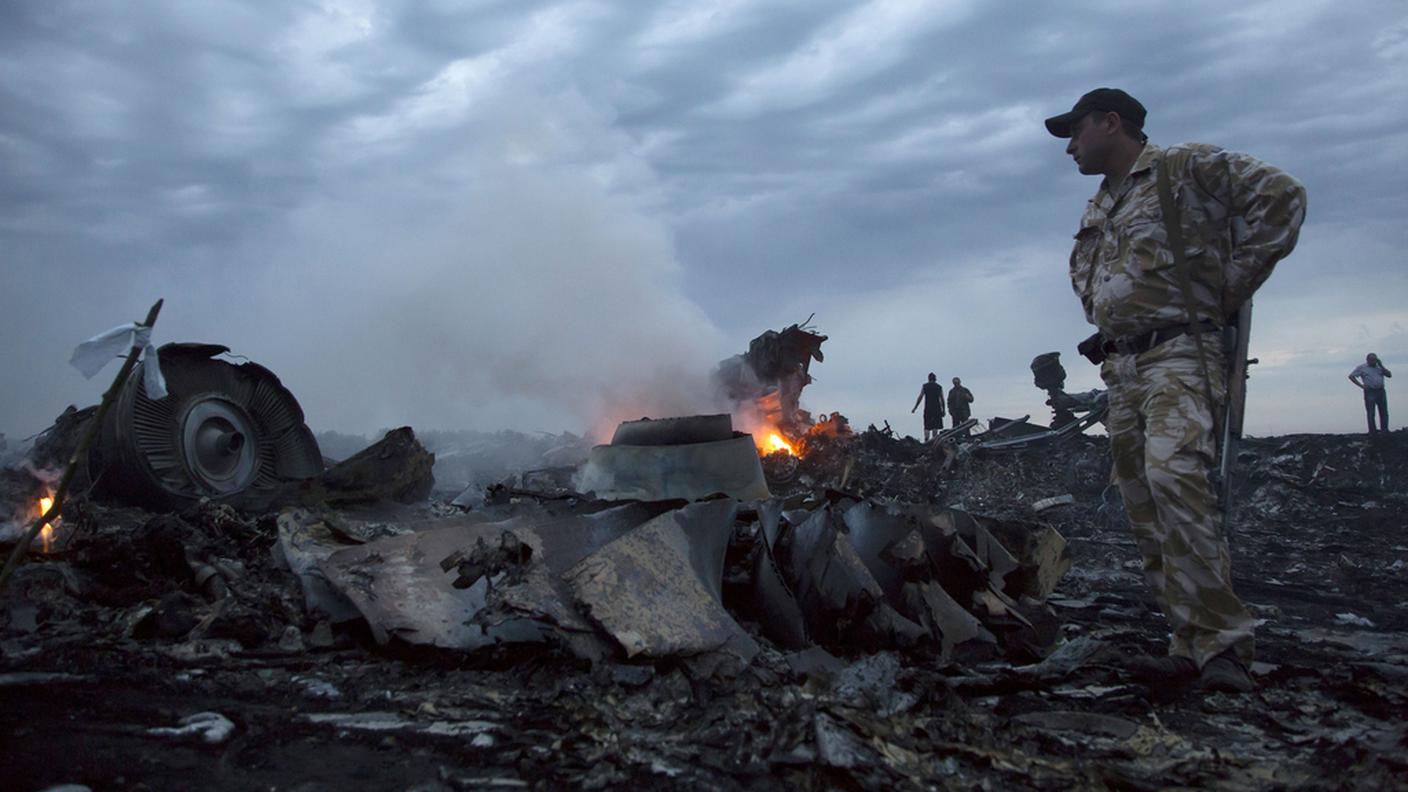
(657, 590)
(674, 431)
(688, 472)
(842, 601)
(402, 591)
(775, 606)
(396, 468)
(873, 528)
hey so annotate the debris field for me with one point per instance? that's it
(894, 615)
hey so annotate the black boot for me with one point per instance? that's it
(1226, 673)
(1170, 670)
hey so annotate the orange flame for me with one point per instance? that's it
(47, 532)
(777, 442)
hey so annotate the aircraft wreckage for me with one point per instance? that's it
(689, 604)
(629, 563)
(643, 576)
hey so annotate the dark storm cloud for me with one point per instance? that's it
(525, 213)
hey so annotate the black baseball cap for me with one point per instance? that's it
(1107, 100)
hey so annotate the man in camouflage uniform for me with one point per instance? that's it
(1238, 217)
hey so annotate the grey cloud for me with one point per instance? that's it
(323, 186)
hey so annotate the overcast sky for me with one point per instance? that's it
(540, 215)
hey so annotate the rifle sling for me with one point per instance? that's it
(1174, 227)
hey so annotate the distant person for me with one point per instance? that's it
(959, 398)
(932, 394)
(1369, 377)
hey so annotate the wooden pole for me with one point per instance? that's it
(91, 433)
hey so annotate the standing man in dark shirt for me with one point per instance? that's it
(932, 394)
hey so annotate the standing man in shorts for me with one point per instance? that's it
(932, 395)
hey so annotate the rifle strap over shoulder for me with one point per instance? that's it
(1173, 225)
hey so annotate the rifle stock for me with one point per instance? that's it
(1236, 338)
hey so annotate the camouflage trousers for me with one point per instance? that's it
(1163, 448)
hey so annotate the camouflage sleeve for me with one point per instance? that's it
(1087, 241)
(1265, 206)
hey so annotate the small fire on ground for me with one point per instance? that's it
(770, 438)
(46, 534)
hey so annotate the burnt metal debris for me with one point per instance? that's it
(650, 576)
(1049, 375)
(770, 376)
(675, 458)
(396, 468)
(225, 431)
(884, 617)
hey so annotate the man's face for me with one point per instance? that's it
(955, 380)
(1090, 143)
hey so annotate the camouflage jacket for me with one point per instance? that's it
(1239, 216)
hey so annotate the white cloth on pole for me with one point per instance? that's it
(90, 356)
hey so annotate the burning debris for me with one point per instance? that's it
(853, 575)
(763, 663)
(765, 385)
(24, 498)
(224, 431)
(764, 388)
(689, 606)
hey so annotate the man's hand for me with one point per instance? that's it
(1091, 350)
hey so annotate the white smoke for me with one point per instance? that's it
(509, 271)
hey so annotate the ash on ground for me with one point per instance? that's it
(171, 651)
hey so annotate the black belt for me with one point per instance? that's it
(1139, 344)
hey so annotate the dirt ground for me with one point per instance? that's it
(88, 683)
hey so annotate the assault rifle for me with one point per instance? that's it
(1235, 337)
